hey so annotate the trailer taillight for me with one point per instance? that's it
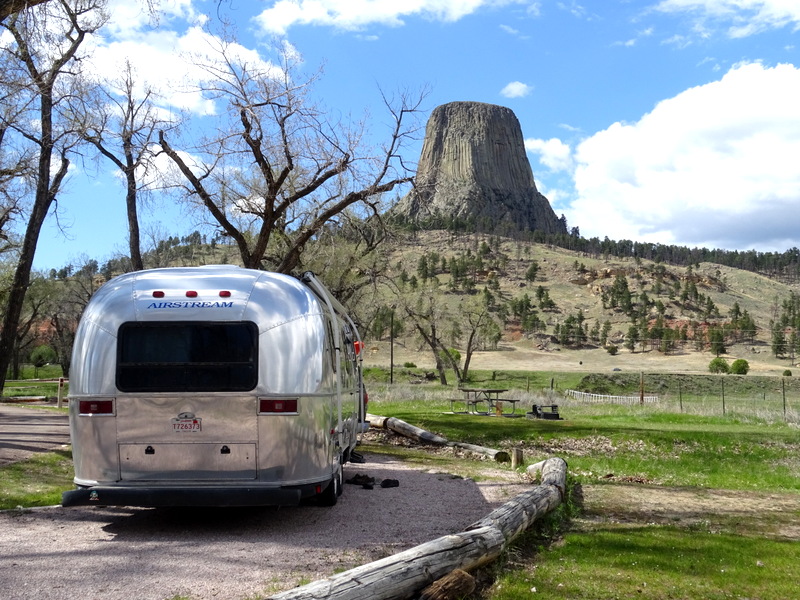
(277, 405)
(96, 407)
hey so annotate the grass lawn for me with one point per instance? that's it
(668, 505)
(37, 481)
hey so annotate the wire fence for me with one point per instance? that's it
(771, 406)
(606, 399)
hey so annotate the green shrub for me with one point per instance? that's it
(787, 373)
(454, 354)
(409, 365)
(719, 365)
(612, 349)
(740, 367)
(42, 355)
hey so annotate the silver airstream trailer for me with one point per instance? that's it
(213, 386)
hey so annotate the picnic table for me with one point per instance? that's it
(488, 396)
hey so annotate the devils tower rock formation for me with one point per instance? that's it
(473, 168)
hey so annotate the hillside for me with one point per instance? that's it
(578, 282)
(574, 281)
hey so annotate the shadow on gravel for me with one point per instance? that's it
(423, 506)
(119, 553)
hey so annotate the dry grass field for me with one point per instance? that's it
(521, 356)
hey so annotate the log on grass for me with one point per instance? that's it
(421, 435)
(496, 455)
(552, 471)
(519, 513)
(402, 575)
(454, 585)
(376, 421)
(406, 430)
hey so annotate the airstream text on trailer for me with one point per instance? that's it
(213, 386)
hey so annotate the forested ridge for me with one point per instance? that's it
(780, 265)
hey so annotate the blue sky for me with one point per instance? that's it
(673, 121)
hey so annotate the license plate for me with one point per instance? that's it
(186, 425)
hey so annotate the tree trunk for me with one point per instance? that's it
(134, 243)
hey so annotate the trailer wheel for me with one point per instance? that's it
(330, 495)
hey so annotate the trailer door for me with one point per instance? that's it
(185, 412)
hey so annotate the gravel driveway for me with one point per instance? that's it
(155, 554)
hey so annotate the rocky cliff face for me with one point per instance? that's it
(473, 168)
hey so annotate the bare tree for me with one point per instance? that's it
(122, 127)
(479, 326)
(282, 169)
(425, 310)
(10, 7)
(16, 158)
(44, 45)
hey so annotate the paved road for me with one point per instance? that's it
(25, 431)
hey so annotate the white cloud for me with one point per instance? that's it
(743, 17)
(714, 166)
(357, 14)
(553, 153)
(170, 59)
(128, 19)
(516, 89)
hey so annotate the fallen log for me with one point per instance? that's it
(552, 471)
(519, 513)
(401, 575)
(421, 435)
(496, 455)
(376, 421)
(454, 585)
(404, 574)
(407, 430)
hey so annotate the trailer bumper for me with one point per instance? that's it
(186, 496)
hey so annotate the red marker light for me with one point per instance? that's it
(96, 407)
(277, 405)
(191, 294)
(158, 294)
(224, 294)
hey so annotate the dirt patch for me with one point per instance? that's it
(741, 512)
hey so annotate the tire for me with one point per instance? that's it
(330, 495)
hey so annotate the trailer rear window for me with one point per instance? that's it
(187, 357)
